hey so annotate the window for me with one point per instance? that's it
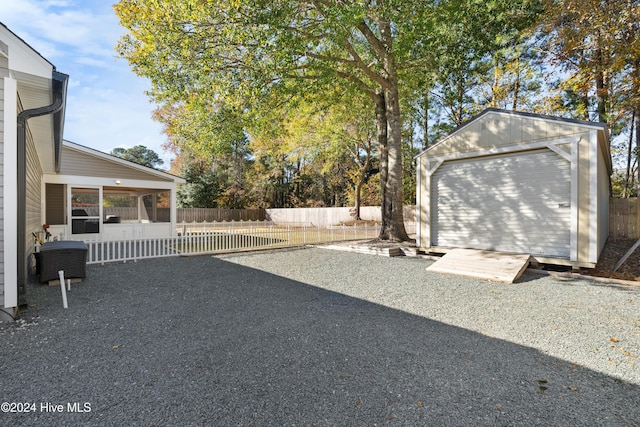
(85, 210)
(119, 206)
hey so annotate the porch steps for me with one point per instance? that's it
(487, 265)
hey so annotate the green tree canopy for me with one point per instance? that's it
(140, 155)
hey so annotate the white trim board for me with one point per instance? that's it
(10, 189)
(550, 144)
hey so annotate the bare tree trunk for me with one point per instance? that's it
(495, 85)
(392, 215)
(637, 116)
(601, 96)
(636, 112)
(381, 130)
(585, 102)
(627, 184)
(516, 86)
(425, 132)
(394, 230)
(361, 178)
(459, 108)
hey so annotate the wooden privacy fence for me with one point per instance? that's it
(213, 215)
(317, 216)
(624, 218)
(184, 214)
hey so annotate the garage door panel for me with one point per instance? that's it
(517, 202)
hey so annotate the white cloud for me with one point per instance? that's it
(87, 27)
(91, 62)
(106, 103)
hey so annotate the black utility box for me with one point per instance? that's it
(67, 255)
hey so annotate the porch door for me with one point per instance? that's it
(84, 210)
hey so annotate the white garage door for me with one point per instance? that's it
(515, 203)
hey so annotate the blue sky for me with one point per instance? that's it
(106, 102)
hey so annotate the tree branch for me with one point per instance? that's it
(364, 67)
(375, 43)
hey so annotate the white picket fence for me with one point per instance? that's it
(215, 238)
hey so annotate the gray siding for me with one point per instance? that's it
(78, 163)
(516, 203)
(33, 213)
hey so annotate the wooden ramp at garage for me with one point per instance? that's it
(488, 265)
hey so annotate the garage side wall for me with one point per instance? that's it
(604, 194)
(422, 207)
(587, 200)
(593, 197)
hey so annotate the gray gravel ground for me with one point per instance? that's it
(319, 337)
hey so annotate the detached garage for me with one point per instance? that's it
(517, 182)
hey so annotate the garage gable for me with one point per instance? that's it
(495, 129)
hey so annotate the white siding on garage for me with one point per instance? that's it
(519, 202)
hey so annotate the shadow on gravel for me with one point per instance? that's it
(201, 341)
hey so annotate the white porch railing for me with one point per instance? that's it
(214, 238)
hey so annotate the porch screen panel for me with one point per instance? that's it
(85, 210)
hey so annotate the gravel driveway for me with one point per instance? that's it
(319, 337)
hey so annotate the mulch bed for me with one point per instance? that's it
(611, 254)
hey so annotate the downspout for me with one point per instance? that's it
(59, 91)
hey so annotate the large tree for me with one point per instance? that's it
(207, 51)
(596, 44)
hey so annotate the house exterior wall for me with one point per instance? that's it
(25, 83)
(497, 133)
(80, 164)
(33, 193)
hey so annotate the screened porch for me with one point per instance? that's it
(79, 212)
